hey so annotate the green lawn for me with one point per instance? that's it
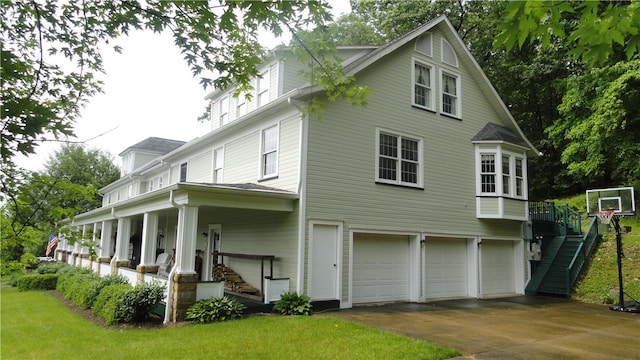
(35, 325)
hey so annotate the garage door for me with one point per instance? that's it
(445, 273)
(380, 268)
(497, 268)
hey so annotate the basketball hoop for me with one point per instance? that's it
(605, 216)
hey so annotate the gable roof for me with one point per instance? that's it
(154, 145)
(494, 132)
(443, 24)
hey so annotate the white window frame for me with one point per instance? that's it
(241, 105)
(224, 110)
(218, 165)
(399, 160)
(516, 179)
(429, 87)
(186, 172)
(457, 97)
(262, 87)
(483, 173)
(151, 185)
(267, 152)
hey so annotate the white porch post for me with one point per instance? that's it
(77, 250)
(121, 258)
(186, 242)
(104, 252)
(93, 257)
(148, 252)
(185, 280)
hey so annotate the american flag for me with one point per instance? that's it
(53, 241)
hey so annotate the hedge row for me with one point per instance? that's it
(111, 297)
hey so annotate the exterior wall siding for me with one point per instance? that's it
(199, 169)
(342, 157)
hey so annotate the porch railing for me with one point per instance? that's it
(567, 219)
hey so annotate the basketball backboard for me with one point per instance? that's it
(620, 200)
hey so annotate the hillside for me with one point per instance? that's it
(600, 283)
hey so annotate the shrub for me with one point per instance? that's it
(75, 283)
(215, 309)
(85, 293)
(51, 268)
(139, 301)
(291, 303)
(107, 304)
(37, 282)
(66, 276)
(29, 261)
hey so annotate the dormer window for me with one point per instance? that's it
(224, 110)
(263, 88)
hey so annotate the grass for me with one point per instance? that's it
(600, 283)
(35, 325)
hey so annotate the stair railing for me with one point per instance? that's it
(582, 254)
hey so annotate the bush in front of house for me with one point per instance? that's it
(139, 301)
(107, 304)
(66, 276)
(84, 293)
(292, 303)
(74, 285)
(215, 309)
(37, 282)
(51, 268)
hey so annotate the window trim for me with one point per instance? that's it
(499, 153)
(217, 168)
(430, 103)
(262, 174)
(263, 76)
(458, 96)
(420, 162)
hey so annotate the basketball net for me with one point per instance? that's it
(605, 216)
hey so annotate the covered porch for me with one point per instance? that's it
(184, 223)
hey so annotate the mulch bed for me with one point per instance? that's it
(153, 321)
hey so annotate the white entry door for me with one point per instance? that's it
(323, 263)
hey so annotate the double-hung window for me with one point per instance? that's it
(269, 152)
(183, 172)
(450, 94)
(263, 88)
(519, 177)
(488, 173)
(241, 105)
(506, 175)
(422, 85)
(224, 110)
(218, 160)
(399, 159)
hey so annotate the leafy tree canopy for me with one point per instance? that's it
(51, 51)
(592, 30)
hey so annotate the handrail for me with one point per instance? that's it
(562, 215)
(582, 253)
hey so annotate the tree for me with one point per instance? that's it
(68, 186)
(594, 31)
(600, 123)
(51, 51)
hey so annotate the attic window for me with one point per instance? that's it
(183, 172)
(424, 45)
(448, 55)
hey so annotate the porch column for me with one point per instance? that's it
(94, 237)
(185, 279)
(148, 252)
(121, 258)
(77, 250)
(106, 248)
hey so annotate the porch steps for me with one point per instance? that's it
(232, 281)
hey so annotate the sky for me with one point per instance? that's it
(148, 91)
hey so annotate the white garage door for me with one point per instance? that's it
(445, 273)
(380, 268)
(497, 268)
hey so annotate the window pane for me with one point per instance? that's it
(409, 149)
(519, 187)
(387, 168)
(270, 139)
(388, 145)
(488, 183)
(270, 163)
(488, 163)
(519, 167)
(409, 172)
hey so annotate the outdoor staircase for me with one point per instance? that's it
(565, 251)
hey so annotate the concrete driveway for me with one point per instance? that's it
(522, 327)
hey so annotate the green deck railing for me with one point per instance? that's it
(567, 219)
(581, 256)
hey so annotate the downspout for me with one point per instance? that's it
(169, 302)
(302, 185)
